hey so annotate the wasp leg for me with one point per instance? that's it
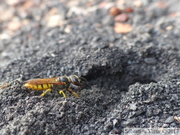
(62, 92)
(74, 93)
(45, 92)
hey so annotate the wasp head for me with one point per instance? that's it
(78, 81)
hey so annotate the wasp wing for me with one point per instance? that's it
(44, 81)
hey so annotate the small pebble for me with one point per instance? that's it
(114, 11)
(150, 60)
(129, 10)
(121, 17)
(132, 106)
(14, 25)
(122, 28)
(169, 120)
(129, 122)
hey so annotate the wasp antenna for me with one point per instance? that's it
(85, 82)
(83, 79)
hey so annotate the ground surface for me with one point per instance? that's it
(135, 77)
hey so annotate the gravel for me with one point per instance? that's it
(135, 77)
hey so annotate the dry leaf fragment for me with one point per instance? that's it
(122, 28)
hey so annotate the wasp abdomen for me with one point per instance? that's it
(39, 86)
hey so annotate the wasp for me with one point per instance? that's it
(61, 84)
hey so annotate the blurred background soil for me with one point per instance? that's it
(127, 50)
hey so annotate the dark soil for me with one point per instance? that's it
(135, 77)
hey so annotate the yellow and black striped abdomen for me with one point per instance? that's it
(39, 86)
